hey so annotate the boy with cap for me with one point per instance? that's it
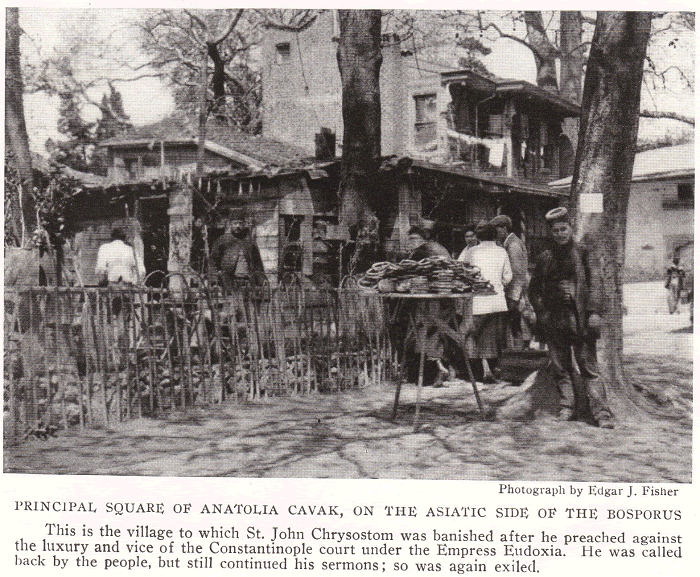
(566, 293)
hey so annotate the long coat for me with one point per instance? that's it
(494, 264)
(553, 314)
(517, 253)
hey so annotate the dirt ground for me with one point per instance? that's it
(350, 435)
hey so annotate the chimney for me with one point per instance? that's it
(325, 144)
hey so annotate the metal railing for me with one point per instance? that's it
(91, 356)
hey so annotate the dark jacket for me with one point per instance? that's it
(238, 257)
(429, 248)
(554, 313)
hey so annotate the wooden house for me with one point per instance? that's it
(152, 190)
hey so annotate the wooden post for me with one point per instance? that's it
(180, 234)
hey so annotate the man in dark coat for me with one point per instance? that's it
(566, 293)
(237, 257)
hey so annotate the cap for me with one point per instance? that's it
(502, 220)
(557, 214)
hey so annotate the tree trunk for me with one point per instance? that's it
(604, 162)
(359, 61)
(202, 114)
(218, 80)
(571, 55)
(543, 49)
(16, 131)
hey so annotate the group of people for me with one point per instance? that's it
(564, 292)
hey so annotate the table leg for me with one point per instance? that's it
(402, 372)
(476, 391)
(419, 391)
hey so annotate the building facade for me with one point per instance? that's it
(660, 212)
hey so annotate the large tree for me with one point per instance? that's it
(359, 61)
(21, 213)
(604, 162)
(180, 41)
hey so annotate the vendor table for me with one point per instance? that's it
(421, 316)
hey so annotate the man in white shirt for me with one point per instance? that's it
(117, 262)
(118, 265)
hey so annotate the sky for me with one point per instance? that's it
(149, 99)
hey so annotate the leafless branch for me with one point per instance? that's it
(669, 115)
(231, 26)
(502, 34)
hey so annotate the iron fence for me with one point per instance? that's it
(90, 356)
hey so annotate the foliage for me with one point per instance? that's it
(178, 41)
(54, 198)
(12, 237)
(79, 151)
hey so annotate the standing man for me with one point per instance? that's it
(517, 253)
(470, 240)
(118, 263)
(566, 294)
(119, 266)
(237, 257)
(420, 247)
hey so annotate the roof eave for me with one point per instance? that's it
(209, 145)
(669, 175)
(503, 182)
(565, 105)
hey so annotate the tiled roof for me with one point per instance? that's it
(182, 130)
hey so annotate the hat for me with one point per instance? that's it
(557, 214)
(502, 220)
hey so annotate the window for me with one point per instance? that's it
(132, 166)
(685, 197)
(686, 191)
(283, 52)
(426, 119)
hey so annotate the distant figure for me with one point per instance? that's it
(675, 278)
(470, 240)
(566, 293)
(434, 347)
(517, 253)
(421, 247)
(119, 266)
(118, 263)
(237, 257)
(494, 264)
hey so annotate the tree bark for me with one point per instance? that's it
(218, 78)
(202, 114)
(604, 162)
(16, 131)
(572, 53)
(359, 61)
(543, 49)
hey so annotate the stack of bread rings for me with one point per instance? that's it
(431, 275)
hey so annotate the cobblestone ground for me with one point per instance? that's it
(350, 435)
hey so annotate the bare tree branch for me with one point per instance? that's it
(231, 26)
(670, 115)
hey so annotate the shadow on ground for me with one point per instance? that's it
(351, 435)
